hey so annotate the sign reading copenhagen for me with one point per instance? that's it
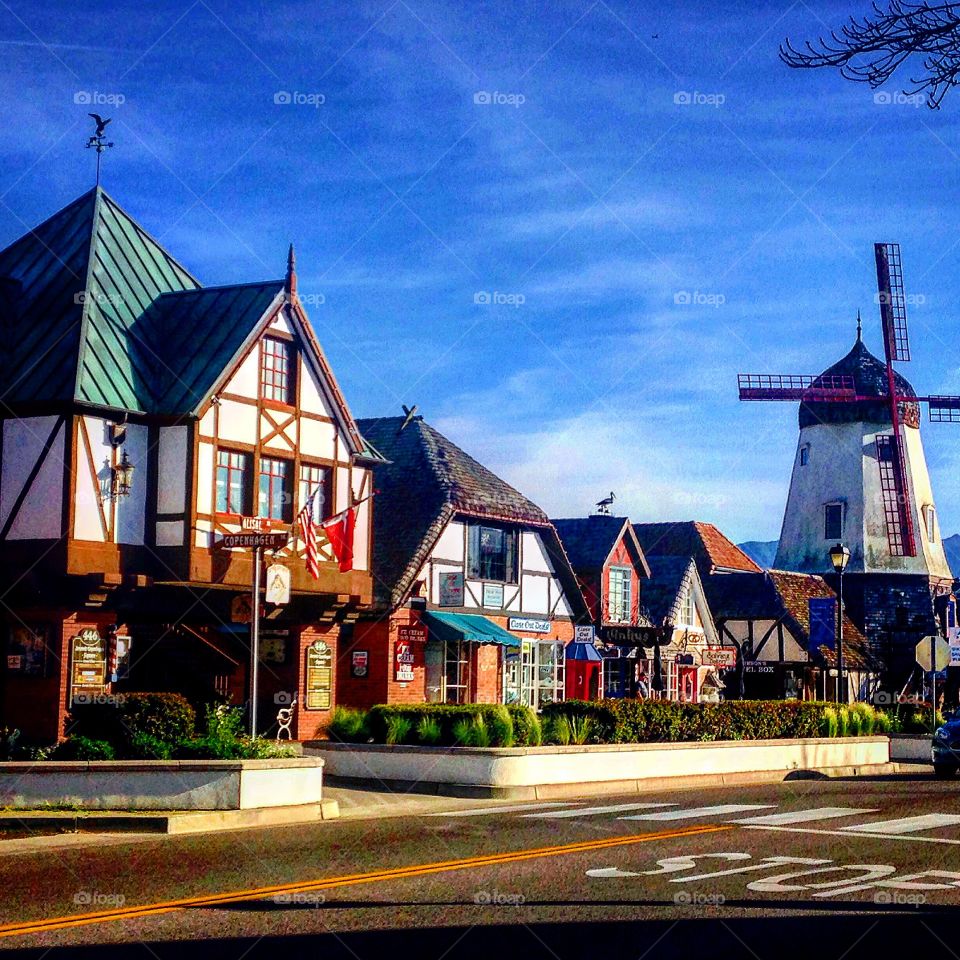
(268, 541)
(528, 625)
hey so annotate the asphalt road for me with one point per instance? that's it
(839, 869)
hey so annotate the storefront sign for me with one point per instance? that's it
(403, 662)
(451, 589)
(278, 583)
(755, 667)
(628, 636)
(88, 665)
(319, 676)
(359, 664)
(412, 634)
(723, 657)
(493, 595)
(583, 634)
(528, 625)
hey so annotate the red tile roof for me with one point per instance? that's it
(691, 538)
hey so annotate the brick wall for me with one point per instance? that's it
(311, 724)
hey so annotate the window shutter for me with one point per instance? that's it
(473, 551)
(510, 550)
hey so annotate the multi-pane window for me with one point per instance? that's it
(492, 554)
(276, 370)
(833, 521)
(233, 482)
(456, 672)
(688, 612)
(618, 597)
(315, 482)
(276, 489)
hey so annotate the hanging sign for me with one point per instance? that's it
(319, 676)
(451, 589)
(723, 657)
(278, 583)
(403, 661)
(359, 664)
(584, 634)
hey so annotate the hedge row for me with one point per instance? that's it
(666, 721)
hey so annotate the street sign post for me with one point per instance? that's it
(257, 535)
(933, 654)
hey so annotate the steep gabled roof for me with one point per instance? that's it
(776, 594)
(690, 538)
(663, 593)
(79, 286)
(425, 483)
(589, 541)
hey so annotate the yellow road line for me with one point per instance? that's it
(395, 873)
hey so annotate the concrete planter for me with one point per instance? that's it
(162, 784)
(564, 771)
(911, 747)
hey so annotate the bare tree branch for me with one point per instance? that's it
(872, 49)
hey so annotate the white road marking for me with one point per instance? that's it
(591, 811)
(856, 832)
(804, 816)
(691, 812)
(765, 864)
(512, 808)
(927, 821)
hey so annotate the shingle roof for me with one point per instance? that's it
(691, 538)
(775, 594)
(106, 316)
(426, 481)
(662, 594)
(589, 540)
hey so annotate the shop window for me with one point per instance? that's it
(233, 482)
(316, 480)
(618, 598)
(276, 500)
(276, 370)
(27, 654)
(542, 672)
(492, 553)
(447, 672)
(833, 521)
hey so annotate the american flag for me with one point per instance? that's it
(308, 532)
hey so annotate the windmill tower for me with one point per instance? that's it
(860, 477)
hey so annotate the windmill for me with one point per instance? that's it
(894, 485)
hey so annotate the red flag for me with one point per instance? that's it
(339, 531)
(308, 532)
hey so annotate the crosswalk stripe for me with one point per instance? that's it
(510, 808)
(691, 812)
(926, 821)
(590, 811)
(804, 816)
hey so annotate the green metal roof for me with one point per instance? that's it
(104, 315)
(467, 626)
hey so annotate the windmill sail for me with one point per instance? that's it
(893, 301)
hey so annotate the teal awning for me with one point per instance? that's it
(466, 626)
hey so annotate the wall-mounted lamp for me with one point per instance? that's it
(122, 479)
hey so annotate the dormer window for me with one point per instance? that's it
(276, 370)
(618, 598)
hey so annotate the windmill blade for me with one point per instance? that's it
(796, 387)
(893, 301)
(944, 409)
(895, 494)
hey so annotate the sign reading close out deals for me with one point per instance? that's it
(584, 634)
(528, 625)
(725, 657)
(403, 661)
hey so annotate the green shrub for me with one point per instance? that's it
(398, 729)
(428, 731)
(557, 730)
(828, 723)
(479, 733)
(527, 731)
(9, 750)
(498, 720)
(463, 732)
(83, 748)
(500, 726)
(348, 725)
(883, 723)
(145, 747)
(166, 717)
(580, 729)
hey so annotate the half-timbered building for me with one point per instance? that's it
(475, 598)
(144, 416)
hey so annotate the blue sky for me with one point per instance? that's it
(582, 166)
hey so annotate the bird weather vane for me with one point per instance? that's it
(99, 140)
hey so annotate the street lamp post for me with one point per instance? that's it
(839, 557)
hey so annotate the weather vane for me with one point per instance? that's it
(99, 141)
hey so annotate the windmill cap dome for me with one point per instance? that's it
(870, 379)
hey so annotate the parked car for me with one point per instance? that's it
(945, 748)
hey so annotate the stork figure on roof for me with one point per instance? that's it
(604, 505)
(860, 476)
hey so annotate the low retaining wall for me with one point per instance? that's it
(911, 747)
(548, 771)
(162, 784)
